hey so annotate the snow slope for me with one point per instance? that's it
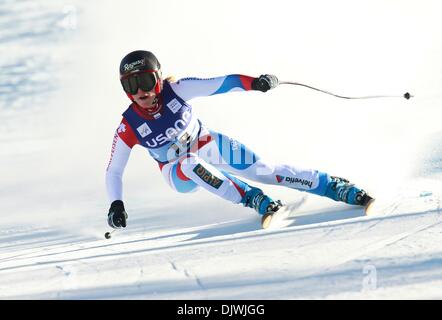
(60, 102)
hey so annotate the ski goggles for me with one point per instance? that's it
(144, 80)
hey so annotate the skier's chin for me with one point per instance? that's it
(144, 102)
(145, 105)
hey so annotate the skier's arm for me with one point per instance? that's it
(124, 140)
(189, 88)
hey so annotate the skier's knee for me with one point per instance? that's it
(181, 182)
(185, 187)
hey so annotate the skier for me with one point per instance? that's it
(192, 156)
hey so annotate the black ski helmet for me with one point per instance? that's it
(138, 61)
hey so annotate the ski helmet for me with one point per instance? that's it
(140, 69)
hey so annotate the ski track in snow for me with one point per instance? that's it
(172, 250)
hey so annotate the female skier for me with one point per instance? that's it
(192, 156)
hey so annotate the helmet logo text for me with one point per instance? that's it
(131, 66)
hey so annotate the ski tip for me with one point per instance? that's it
(271, 210)
(266, 219)
(369, 207)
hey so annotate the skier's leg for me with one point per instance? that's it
(191, 172)
(176, 179)
(232, 156)
(312, 181)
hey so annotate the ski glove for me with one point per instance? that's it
(117, 217)
(265, 82)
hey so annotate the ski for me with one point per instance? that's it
(370, 207)
(270, 219)
(277, 215)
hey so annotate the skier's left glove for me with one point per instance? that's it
(117, 216)
(265, 82)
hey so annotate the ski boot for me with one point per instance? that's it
(340, 189)
(264, 205)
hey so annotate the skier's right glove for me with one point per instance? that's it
(117, 216)
(265, 82)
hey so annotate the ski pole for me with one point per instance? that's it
(406, 95)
